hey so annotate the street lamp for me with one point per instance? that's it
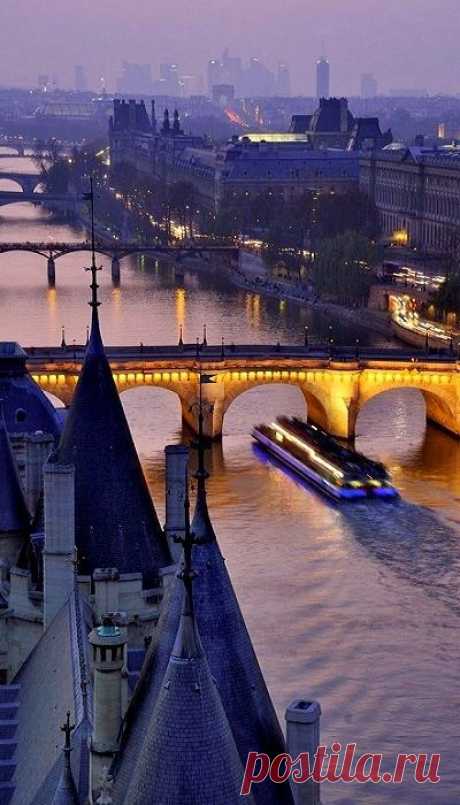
(306, 336)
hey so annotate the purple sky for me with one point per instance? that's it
(405, 43)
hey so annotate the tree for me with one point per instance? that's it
(342, 268)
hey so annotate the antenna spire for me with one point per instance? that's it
(95, 341)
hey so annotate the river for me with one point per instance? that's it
(358, 606)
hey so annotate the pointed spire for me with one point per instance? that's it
(201, 524)
(66, 792)
(115, 522)
(188, 751)
(95, 345)
(63, 342)
(166, 124)
(187, 644)
(176, 123)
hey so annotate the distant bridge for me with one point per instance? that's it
(14, 197)
(116, 251)
(28, 182)
(15, 144)
(335, 382)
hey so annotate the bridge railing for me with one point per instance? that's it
(215, 353)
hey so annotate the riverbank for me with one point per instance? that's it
(245, 276)
(251, 274)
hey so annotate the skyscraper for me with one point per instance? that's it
(81, 83)
(322, 79)
(368, 86)
(283, 80)
(214, 74)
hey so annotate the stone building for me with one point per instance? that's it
(332, 125)
(320, 153)
(153, 678)
(417, 193)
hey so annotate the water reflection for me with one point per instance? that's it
(358, 606)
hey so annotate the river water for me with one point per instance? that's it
(355, 606)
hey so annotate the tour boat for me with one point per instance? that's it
(337, 471)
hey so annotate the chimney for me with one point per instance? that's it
(106, 590)
(108, 642)
(177, 456)
(303, 730)
(59, 551)
(38, 446)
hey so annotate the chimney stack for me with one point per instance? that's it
(303, 735)
(59, 551)
(108, 642)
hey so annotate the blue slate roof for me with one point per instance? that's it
(189, 753)
(231, 658)
(116, 523)
(26, 408)
(14, 514)
(50, 685)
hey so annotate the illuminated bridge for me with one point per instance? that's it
(335, 384)
(116, 251)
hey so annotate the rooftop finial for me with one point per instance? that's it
(202, 526)
(187, 643)
(66, 792)
(95, 342)
(67, 728)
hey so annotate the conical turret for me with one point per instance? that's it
(189, 753)
(116, 523)
(228, 649)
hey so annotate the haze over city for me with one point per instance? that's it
(387, 39)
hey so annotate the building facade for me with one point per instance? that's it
(417, 193)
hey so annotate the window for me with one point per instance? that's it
(20, 415)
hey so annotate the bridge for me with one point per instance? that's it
(28, 182)
(335, 382)
(116, 251)
(15, 144)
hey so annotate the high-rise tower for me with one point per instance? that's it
(323, 78)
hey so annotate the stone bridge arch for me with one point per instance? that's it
(439, 390)
(28, 183)
(315, 399)
(61, 386)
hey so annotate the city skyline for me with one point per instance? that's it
(102, 37)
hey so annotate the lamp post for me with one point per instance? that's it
(306, 336)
